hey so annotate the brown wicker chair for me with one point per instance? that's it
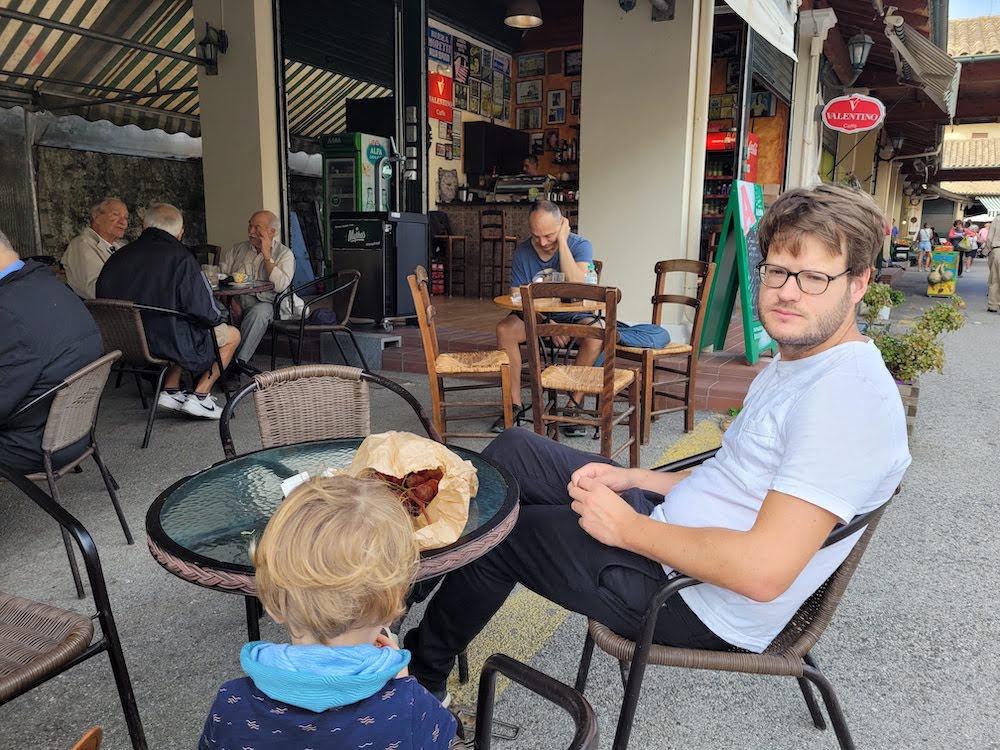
(120, 323)
(313, 402)
(38, 641)
(609, 383)
(72, 417)
(91, 740)
(653, 362)
(339, 299)
(478, 365)
(788, 655)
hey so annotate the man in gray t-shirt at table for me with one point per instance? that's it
(551, 245)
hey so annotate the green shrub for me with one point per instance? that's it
(919, 350)
(878, 296)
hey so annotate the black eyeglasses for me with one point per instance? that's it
(810, 282)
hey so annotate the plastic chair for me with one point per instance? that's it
(314, 402)
(788, 655)
(575, 704)
(607, 382)
(72, 417)
(339, 301)
(653, 362)
(120, 323)
(478, 365)
(38, 641)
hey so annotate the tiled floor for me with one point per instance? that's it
(467, 324)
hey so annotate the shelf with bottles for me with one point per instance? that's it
(728, 177)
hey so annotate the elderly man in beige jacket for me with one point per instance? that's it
(87, 253)
(992, 250)
(260, 257)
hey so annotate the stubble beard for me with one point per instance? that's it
(821, 330)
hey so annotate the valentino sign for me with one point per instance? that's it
(854, 113)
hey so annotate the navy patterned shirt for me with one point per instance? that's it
(400, 716)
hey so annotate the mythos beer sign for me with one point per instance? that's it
(853, 114)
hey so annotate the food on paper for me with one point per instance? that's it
(416, 490)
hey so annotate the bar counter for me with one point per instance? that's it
(464, 220)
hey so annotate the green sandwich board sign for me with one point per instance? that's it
(735, 270)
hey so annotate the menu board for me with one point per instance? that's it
(736, 271)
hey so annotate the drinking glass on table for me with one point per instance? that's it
(557, 277)
(212, 274)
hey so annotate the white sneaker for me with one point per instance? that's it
(205, 408)
(172, 401)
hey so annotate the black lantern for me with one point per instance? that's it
(523, 14)
(214, 43)
(858, 47)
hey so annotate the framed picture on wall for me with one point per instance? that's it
(732, 76)
(762, 104)
(553, 63)
(574, 62)
(574, 107)
(552, 139)
(528, 92)
(487, 70)
(531, 65)
(537, 142)
(529, 118)
(461, 96)
(576, 89)
(555, 109)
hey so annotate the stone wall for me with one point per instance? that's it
(70, 182)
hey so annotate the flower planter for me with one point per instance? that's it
(909, 392)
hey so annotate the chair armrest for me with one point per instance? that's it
(687, 463)
(50, 393)
(574, 703)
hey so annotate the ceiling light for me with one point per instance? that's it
(523, 14)
(858, 47)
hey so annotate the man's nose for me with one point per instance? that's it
(790, 289)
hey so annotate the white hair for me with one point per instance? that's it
(164, 216)
(99, 208)
(275, 222)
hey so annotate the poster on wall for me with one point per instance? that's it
(574, 62)
(440, 95)
(555, 111)
(461, 96)
(529, 92)
(438, 46)
(501, 62)
(460, 60)
(486, 102)
(531, 65)
(486, 72)
(475, 63)
(529, 118)
(456, 136)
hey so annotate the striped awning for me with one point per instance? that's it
(991, 203)
(920, 62)
(65, 73)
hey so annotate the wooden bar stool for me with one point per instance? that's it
(453, 246)
(496, 249)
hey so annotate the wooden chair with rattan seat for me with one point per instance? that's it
(91, 740)
(338, 296)
(314, 402)
(72, 416)
(39, 641)
(478, 365)
(120, 324)
(654, 362)
(787, 656)
(496, 252)
(612, 385)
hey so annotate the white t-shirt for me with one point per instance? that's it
(828, 429)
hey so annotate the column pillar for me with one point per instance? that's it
(805, 130)
(646, 86)
(239, 120)
(886, 186)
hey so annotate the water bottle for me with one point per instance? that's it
(591, 276)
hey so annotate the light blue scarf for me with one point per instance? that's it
(319, 678)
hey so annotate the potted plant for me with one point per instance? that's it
(919, 350)
(879, 299)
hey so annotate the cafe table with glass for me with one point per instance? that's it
(200, 527)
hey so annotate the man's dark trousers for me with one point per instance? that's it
(550, 554)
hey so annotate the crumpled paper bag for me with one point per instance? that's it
(398, 454)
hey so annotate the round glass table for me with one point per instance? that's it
(200, 527)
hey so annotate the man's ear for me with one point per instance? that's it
(859, 285)
(180, 235)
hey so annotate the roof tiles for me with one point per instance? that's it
(971, 153)
(974, 36)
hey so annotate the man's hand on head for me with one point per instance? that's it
(603, 513)
(563, 235)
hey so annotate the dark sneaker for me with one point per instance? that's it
(572, 430)
(518, 416)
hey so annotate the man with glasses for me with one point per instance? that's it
(821, 439)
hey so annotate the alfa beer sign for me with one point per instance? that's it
(853, 114)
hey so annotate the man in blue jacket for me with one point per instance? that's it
(158, 270)
(46, 335)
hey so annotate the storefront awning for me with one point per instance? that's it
(991, 203)
(63, 73)
(920, 62)
(772, 19)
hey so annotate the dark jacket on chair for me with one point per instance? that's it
(158, 270)
(46, 334)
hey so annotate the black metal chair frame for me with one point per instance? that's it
(632, 675)
(573, 701)
(161, 372)
(109, 640)
(304, 328)
(53, 473)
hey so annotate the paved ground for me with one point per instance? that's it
(911, 650)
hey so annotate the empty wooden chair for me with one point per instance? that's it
(496, 251)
